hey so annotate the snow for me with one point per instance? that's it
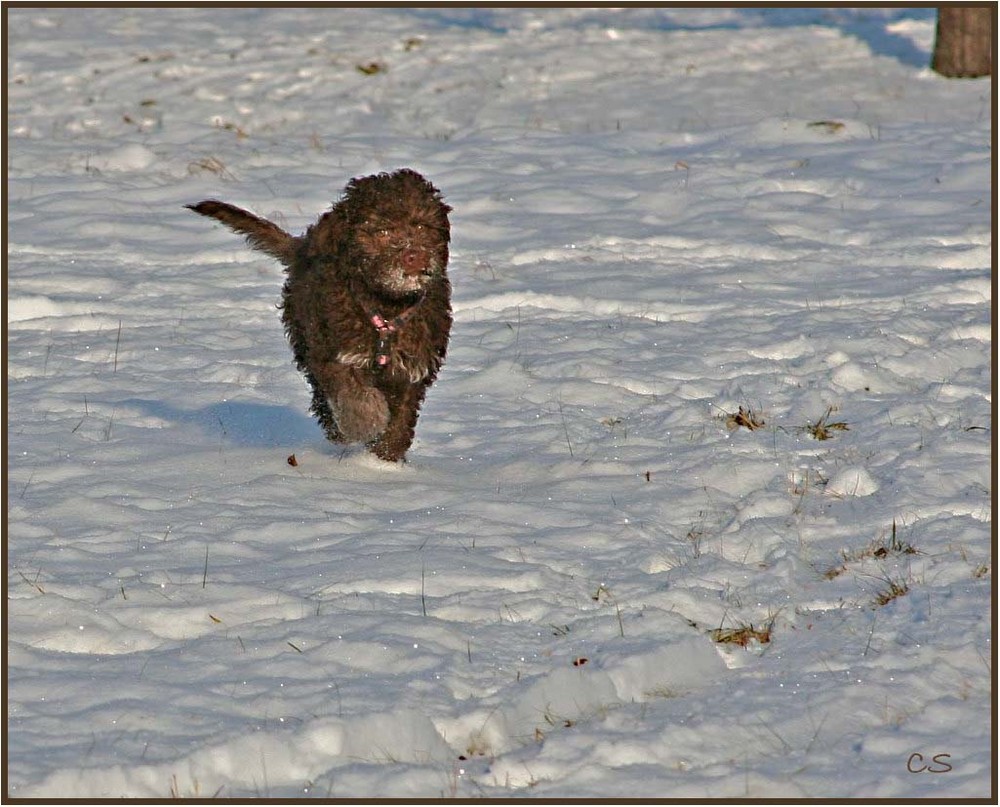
(669, 225)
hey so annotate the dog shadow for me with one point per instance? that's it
(252, 425)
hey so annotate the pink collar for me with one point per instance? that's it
(386, 330)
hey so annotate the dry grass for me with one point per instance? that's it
(828, 126)
(210, 165)
(879, 549)
(33, 583)
(884, 547)
(747, 418)
(802, 483)
(743, 635)
(893, 589)
(824, 428)
(371, 69)
(835, 571)
(229, 126)
(603, 591)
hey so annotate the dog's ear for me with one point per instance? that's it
(328, 235)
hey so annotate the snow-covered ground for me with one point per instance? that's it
(666, 223)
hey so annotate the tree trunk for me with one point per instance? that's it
(964, 42)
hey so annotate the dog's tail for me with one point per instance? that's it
(261, 234)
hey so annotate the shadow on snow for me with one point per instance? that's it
(245, 424)
(870, 25)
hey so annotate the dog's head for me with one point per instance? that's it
(399, 231)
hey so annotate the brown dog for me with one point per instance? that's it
(366, 304)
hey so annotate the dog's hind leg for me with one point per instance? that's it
(321, 409)
(349, 409)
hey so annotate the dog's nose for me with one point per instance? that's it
(414, 261)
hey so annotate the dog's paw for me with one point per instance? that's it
(389, 453)
(362, 414)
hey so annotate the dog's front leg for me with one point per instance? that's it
(393, 443)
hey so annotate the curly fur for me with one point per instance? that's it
(366, 303)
